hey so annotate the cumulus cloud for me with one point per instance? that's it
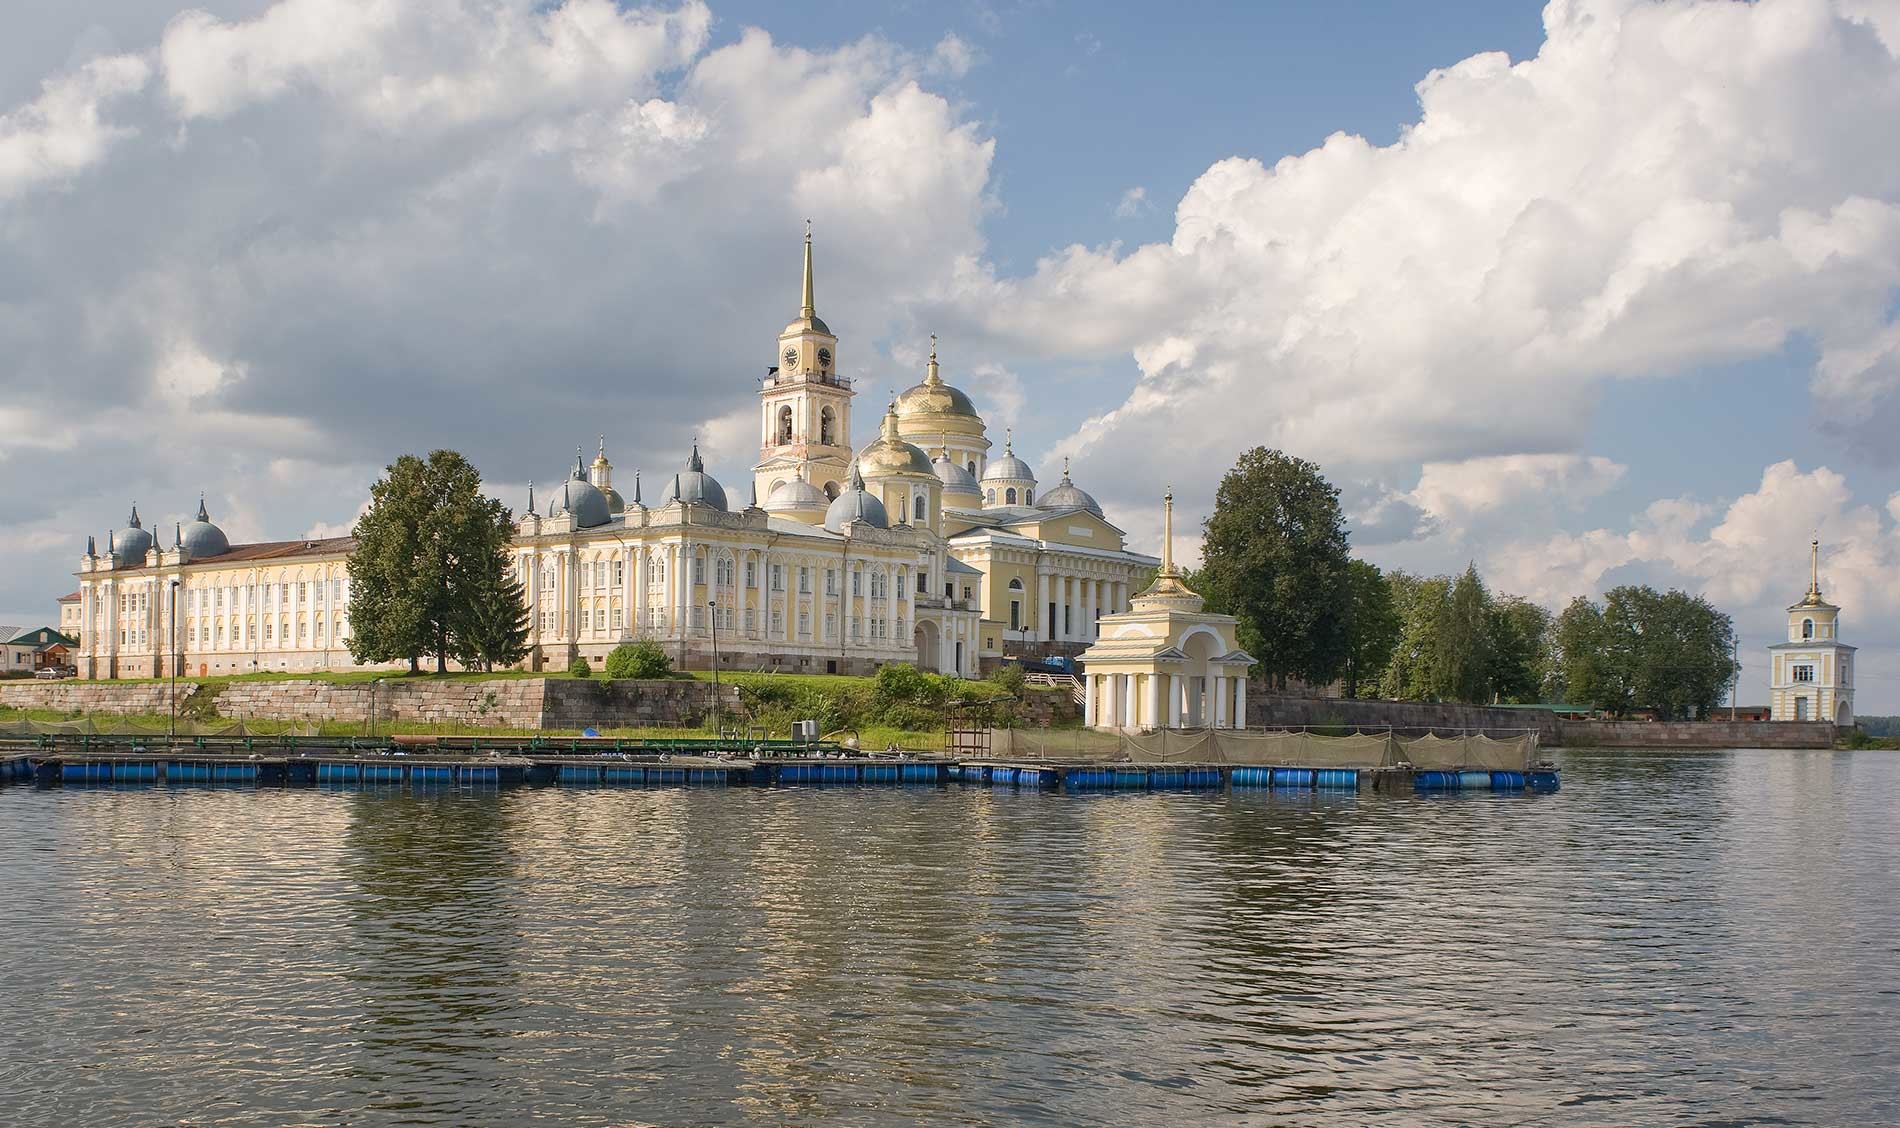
(331, 232)
(1458, 491)
(63, 131)
(1134, 202)
(1664, 186)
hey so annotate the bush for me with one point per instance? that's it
(642, 659)
(579, 668)
(1009, 677)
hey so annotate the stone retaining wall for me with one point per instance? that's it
(1697, 734)
(1274, 712)
(509, 702)
(72, 696)
(580, 703)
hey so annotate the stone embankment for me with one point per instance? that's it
(528, 703)
(1697, 734)
(1273, 712)
(70, 696)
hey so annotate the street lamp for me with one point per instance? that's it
(719, 711)
(171, 728)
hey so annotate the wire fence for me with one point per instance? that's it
(1304, 749)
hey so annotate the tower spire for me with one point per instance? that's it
(1167, 529)
(1814, 570)
(808, 307)
(931, 375)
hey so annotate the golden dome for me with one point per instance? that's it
(890, 454)
(933, 395)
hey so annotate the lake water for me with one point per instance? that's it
(1672, 939)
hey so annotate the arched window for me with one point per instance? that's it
(921, 507)
(1028, 499)
(1807, 628)
(1009, 496)
(825, 421)
(785, 425)
(971, 467)
(990, 496)
(1016, 584)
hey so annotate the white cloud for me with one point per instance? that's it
(1664, 186)
(1134, 202)
(953, 57)
(427, 63)
(1753, 558)
(1458, 491)
(62, 132)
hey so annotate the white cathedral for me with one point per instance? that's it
(842, 559)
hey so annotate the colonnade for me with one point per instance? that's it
(1164, 700)
(1079, 602)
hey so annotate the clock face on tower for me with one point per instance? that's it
(791, 360)
(824, 358)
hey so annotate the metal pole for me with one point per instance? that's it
(1735, 682)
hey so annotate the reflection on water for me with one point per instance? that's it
(1674, 938)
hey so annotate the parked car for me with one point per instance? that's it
(55, 672)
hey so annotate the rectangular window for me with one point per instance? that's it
(857, 581)
(616, 618)
(831, 581)
(804, 624)
(620, 572)
(804, 581)
(778, 622)
(751, 574)
(1804, 673)
(778, 578)
(699, 569)
(600, 619)
(923, 582)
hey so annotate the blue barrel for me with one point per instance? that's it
(1337, 779)
(432, 773)
(338, 773)
(921, 773)
(1131, 778)
(1435, 781)
(1253, 777)
(706, 777)
(880, 773)
(1201, 779)
(1174, 779)
(480, 774)
(1003, 775)
(1474, 781)
(623, 776)
(1542, 781)
(840, 773)
(382, 773)
(1507, 781)
(1293, 777)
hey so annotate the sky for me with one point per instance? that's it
(1597, 293)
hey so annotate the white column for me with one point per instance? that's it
(1240, 702)
(1090, 683)
(891, 596)
(1092, 603)
(638, 600)
(1219, 684)
(1154, 700)
(1111, 706)
(1041, 618)
(574, 566)
(1174, 701)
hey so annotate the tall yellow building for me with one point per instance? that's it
(841, 560)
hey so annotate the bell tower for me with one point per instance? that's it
(805, 404)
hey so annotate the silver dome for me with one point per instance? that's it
(693, 486)
(795, 495)
(855, 503)
(954, 477)
(130, 544)
(201, 538)
(1008, 468)
(1067, 495)
(580, 499)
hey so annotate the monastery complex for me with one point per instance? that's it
(924, 545)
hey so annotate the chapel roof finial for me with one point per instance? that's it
(531, 511)
(931, 374)
(1814, 570)
(202, 515)
(580, 468)
(636, 489)
(1167, 528)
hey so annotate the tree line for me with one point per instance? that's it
(1275, 554)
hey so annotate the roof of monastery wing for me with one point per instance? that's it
(958, 566)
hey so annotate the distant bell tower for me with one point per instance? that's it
(1811, 676)
(805, 404)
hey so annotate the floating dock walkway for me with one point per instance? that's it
(487, 763)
